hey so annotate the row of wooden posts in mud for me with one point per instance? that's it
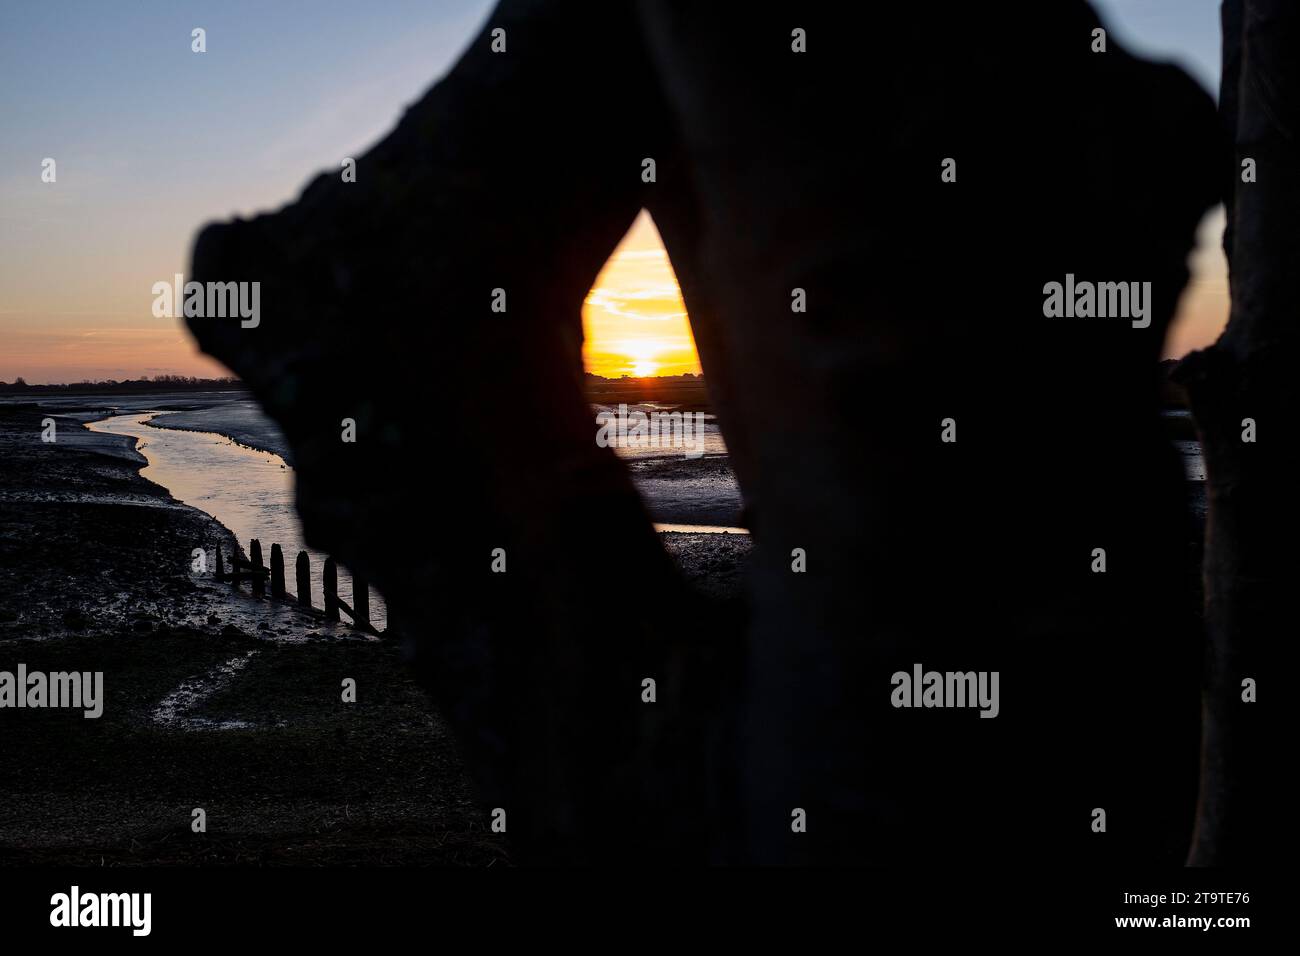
(252, 569)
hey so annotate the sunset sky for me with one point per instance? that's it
(152, 140)
(634, 317)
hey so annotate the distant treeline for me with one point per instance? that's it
(159, 383)
(1171, 395)
(688, 391)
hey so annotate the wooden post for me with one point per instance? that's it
(221, 571)
(303, 572)
(360, 603)
(277, 573)
(331, 590)
(255, 557)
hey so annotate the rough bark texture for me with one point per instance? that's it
(1250, 552)
(776, 170)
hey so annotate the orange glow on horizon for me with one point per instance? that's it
(634, 320)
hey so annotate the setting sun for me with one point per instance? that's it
(634, 320)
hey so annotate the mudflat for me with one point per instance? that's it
(212, 700)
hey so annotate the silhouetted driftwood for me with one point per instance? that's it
(1251, 556)
(776, 171)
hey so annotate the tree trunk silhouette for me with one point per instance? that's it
(1249, 376)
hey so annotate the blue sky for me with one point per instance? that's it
(1185, 32)
(152, 140)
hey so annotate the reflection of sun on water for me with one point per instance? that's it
(634, 320)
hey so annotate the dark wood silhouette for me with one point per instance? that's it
(302, 571)
(360, 603)
(330, 581)
(1251, 559)
(277, 572)
(255, 556)
(242, 569)
(252, 570)
(775, 171)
